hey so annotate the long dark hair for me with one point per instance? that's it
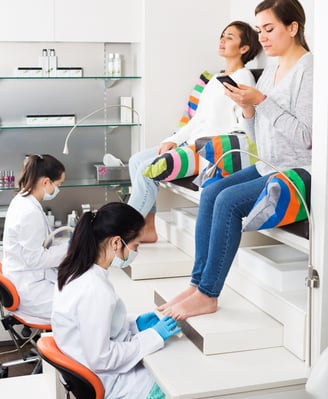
(248, 37)
(287, 11)
(92, 229)
(36, 166)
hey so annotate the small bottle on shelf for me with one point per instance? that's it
(11, 178)
(110, 65)
(72, 219)
(51, 219)
(44, 62)
(117, 65)
(6, 178)
(1, 179)
(52, 62)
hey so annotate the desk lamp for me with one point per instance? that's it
(77, 124)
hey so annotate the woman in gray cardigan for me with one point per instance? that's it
(278, 117)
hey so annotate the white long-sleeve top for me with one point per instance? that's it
(90, 324)
(282, 125)
(30, 266)
(216, 113)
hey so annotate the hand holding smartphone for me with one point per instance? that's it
(226, 79)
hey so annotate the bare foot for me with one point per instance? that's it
(149, 231)
(194, 305)
(178, 298)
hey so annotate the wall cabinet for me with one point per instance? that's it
(75, 20)
(29, 21)
(98, 21)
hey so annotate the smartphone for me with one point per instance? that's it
(227, 79)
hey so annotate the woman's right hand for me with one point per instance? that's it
(167, 327)
(166, 147)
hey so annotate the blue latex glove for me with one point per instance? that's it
(167, 327)
(146, 320)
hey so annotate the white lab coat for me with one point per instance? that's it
(30, 266)
(90, 324)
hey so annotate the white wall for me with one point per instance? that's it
(181, 40)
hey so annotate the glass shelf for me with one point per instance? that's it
(76, 183)
(95, 124)
(103, 77)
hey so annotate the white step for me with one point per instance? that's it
(185, 218)
(288, 307)
(184, 372)
(279, 266)
(238, 325)
(178, 227)
(170, 231)
(159, 260)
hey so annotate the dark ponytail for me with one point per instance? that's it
(92, 229)
(36, 166)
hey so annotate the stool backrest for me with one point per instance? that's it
(257, 72)
(9, 297)
(78, 379)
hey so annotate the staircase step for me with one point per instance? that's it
(178, 227)
(281, 267)
(159, 260)
(170, 231)
(287, 307)
(252, 279)
(185, 218)
(238, 325)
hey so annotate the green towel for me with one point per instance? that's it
(156, 393)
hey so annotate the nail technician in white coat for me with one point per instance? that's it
(30, 266)
(89, 320)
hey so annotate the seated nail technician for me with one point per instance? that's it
(89, 320)
(31, 267)
(215, 114)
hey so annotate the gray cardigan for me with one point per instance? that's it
(282, 124)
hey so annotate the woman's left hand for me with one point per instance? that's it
(245, 96)
(147, 320)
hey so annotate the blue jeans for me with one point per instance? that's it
(144, 190)
(222, 206)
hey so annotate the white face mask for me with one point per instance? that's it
(48, 197)
(121, 263)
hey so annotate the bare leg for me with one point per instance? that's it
(149, 234)
(178, 298)
(194, 305)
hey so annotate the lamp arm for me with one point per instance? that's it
(65, 150)
(312, 277)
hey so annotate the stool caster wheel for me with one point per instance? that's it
(26, 332)
(4, 372)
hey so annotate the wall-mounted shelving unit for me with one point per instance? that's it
(74, 95)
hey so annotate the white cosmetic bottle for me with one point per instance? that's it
(117, 64)
(72, 219)
(110, 65)
(51, 220)
(52, 62)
